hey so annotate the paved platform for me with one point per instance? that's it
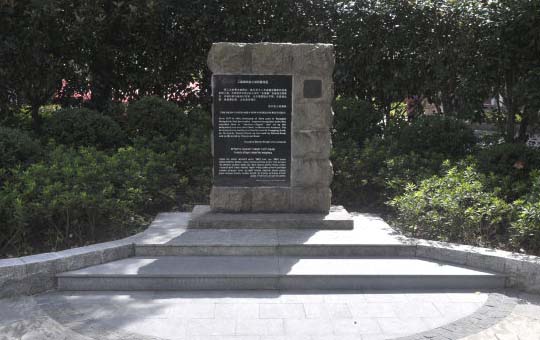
(172, 256)
(271, 315)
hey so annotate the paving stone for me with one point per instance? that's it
(417, 310)
(356, 326)
(398, 325)
(308, 327)
(329, 311)
(191, 310)
(281, 311)
(154, 316)
(236, 311)
(210, 327)
(259, 327)
(374, 309)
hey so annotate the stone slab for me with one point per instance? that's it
(255, 266)
(337, 218)
(370, 237)
(275, 272)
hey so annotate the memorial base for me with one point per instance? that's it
(338, 218)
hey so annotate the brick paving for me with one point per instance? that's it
(271, 315)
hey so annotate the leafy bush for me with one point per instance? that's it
(526, 228)
(355, 121)
(84, 127)
(191, 154)
(436, 134)
(17, 147)
(456, 207)
(83, 196)
(349, 186)
(508, 166)
(401, 169)
(153, 116)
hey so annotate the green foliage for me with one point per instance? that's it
(355, 121)
(526, 227)
(84, 127)
(82, 196)
(436, 134)
(508, 166)
(373, 173)
(455, 207)
(153, 117)
(17, 148)
(191, 153)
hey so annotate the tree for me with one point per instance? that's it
(514, 54)
(31, 60)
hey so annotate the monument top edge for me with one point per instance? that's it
(241, 44)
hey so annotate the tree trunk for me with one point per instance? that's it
(510, 126)
(523, 126)
(36, 119)
(510, 107)
(101, 83)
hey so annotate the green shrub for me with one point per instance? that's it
(17, 148)
(397, 171)
(191, 154)
(365, 178)
(153, 116)
(508, 166)
(526, 228)
(370, 174)
(84, 127)
(83, 196)
(350, 186)
(454, 207)
(355, 121)
(436, 134)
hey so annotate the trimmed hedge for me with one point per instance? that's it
(152, 117)
(455, 206)
(17, 148)
(84, 127)
(82, 196)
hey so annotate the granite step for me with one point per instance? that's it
(276, 272)
(309, 249)
(338, 218)
(369, 238)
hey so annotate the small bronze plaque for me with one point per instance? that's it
(312, 88)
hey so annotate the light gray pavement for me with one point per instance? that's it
(171, 229)
(268, 315)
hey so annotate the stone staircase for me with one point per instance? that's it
(170, 256)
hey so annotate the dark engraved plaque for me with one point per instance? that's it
(252, 130)
(312, 88)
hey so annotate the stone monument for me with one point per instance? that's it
(272, 117)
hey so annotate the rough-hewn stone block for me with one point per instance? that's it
(230, 199)
(310, 199)
(311, 172)
(315, 144)
(270, 199)
(313, 59)
(229, 58)
(268, 58)
(312, 116)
